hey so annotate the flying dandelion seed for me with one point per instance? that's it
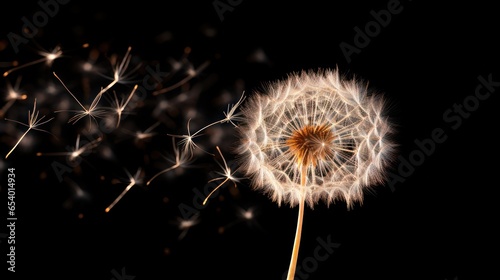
(148, 133)
(13, 94)
(231, 116)
(33, 123)
(226, 175)
(119, 106)
(190, 72)
(142, 135)
(119, 71)
(137, 179)
(48, 58)
(93, 111)
(185, 224)
(315, 136)
(77, 151)
(181, 159)
(187, 141)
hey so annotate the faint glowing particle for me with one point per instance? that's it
(13, 94)
(185, 224)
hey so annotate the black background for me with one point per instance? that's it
(437, 224)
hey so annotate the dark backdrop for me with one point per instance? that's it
(435, 221)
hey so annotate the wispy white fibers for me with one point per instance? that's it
(354, 158)
(314, 136)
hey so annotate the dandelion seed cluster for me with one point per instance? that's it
(321, 125)
(121, 105)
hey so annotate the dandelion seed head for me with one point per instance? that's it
(319, 122)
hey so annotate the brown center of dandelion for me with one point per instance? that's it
(311, 144)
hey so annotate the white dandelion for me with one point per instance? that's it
(312, 137)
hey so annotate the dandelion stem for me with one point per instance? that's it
(298, 232)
